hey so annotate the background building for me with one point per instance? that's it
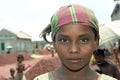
(116, 12)
(12, 42)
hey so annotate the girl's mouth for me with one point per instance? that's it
(75, 60)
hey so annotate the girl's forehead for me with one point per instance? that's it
(74, 28)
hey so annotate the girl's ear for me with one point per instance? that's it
(96, 43)
(97, 39)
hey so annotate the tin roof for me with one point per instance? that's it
(116, 7)
(22, 35)
(19, 34)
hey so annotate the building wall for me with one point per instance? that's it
(8, 39)
(23, 45)
(116, 16)
(36, 46)
(116, 13)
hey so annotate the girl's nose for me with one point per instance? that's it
(74, 48)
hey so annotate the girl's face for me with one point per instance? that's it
(75, 44)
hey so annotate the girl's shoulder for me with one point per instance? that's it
(46, 76)
(106, 77)
(49, 76)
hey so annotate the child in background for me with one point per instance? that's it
(20, 68)
(12, 72)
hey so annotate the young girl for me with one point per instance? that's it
(75, 34)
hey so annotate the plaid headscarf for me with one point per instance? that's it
(76, 14)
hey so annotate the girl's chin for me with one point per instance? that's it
(74, 68)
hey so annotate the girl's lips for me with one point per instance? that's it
(74, 60)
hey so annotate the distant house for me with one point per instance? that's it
(116, 12)
(37, 46)
(12, 42)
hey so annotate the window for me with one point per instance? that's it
(2, 46)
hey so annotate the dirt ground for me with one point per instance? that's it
(6, 59)
(39, 64)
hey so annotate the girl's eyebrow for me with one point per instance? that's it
(84, 35)
(62, 35)
(65, 35)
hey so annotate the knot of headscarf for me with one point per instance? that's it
(76, 14)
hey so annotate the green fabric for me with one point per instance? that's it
(106, 77)
(72, 11)
(46, 76)
(54, 25)
(49, 76)
(20, 76)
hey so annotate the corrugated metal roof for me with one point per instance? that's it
(118, 2)
(22, 35)
(116, 7)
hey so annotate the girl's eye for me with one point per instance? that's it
(84, 40)
(64, 40)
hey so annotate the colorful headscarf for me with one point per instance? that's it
(74, 13)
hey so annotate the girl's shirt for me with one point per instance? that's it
(49, 76)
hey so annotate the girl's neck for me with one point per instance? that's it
(81, 72)
(62, 72)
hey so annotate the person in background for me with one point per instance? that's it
(107, 53)
(116, 49)
(12, 72)
(75, 36)
(51, 50)
(20, 68)
(119, 45)
(118, 53)
(105, 66)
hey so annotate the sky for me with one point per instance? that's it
(32, 16)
